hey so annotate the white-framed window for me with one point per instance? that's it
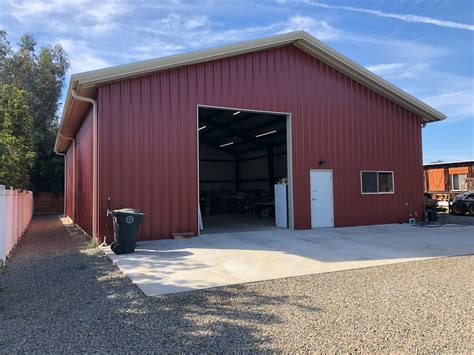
(458, 182)
(376, 182)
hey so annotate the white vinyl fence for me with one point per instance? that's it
(16, 210)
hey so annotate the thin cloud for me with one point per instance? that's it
(402, 17)
(320, 29)
(83, 57)
(399, 70)
(31, 12)
(189, 32)
(458, 105)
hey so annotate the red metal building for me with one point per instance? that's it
(341, 118)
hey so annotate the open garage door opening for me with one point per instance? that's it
(244, 170)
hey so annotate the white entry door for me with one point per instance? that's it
(322, 210)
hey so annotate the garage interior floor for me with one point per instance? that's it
(212, 260)
(235, 223)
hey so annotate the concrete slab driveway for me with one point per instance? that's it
(169, 266)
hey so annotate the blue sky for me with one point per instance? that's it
(423, 46)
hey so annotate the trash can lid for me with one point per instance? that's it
(126, 211)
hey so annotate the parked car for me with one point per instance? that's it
(463, 203)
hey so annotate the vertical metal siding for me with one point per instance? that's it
(69, 188)
(147, 138)
(83, 183)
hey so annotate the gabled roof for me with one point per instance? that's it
(86, 83)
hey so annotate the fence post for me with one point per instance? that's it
(8, 219)
(14, 213)
(18, 215)
(25, 208)
(3, 225)
(30, 216)
(32, 206)
(22, 207)
(12, 217)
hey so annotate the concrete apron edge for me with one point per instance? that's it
(115, 262)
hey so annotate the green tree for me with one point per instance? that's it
(41, 76)
(52, 64)
(16, 139)
(4, 47)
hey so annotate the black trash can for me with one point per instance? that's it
(126, 224)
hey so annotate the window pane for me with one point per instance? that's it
(455, 182)
(385, 182)
(369, 181)
(462, 182)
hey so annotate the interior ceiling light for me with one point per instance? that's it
(266, 133)
(200, 128)
(236, 113)
(226, 144)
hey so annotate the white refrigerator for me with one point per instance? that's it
(281, 206)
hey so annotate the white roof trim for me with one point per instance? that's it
(301, 39)
(450, 162)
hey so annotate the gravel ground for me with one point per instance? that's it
(58, 296)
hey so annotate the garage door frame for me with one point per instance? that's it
(289, 157)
